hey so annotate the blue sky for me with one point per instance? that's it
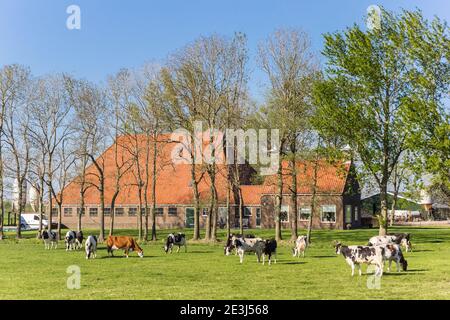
(118, 33)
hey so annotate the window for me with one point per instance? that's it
(67, 212)
(304, 213)
(142, 211)
(328, 214)
(348, 214)
(54, 212)
(132, 212)
(173, 211)
(107, 211)
(247, 212)
(93, 212)
(284, 214)
(258, 217)
(119, 212)
(36, 218)
(205, 212)
(356, 213)
(159, 211)
(82, 211)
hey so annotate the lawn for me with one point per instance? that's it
(30, 272)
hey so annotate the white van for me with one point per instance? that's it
(30, 221)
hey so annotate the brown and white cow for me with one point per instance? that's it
(123, 242)
(393, 252)
(300, 246)
(402, 239)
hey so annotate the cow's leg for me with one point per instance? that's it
(397, 261)
(126, 252)
(389, 265)
(352, 265)
(178, 250)
(360, 271)
(264, 259)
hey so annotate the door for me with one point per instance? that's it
(189, 222)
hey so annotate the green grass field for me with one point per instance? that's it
(30, 272)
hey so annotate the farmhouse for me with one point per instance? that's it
(336, 192)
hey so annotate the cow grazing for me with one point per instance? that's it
(401, 239)
(393, 252)
(357, 255)
(91, 247)
(123, 242)
(70, 239)
(229, 246)
(300, 246)
(50, 239)
(270, 248)
(79, 240)
(175, 240)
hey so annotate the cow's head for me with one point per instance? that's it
(407, 244)
(169, 243)
(44, 234)
(404, 264)
(337, 246)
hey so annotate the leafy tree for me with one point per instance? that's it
(374, 82)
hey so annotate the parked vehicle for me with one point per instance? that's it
(30, 221)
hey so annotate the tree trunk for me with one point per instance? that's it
(80, 214)
(19, 210)
(278, 202)
(139, 215)
(101, 236)
(2, 203)
(384, 210)
(228, 207)
(113, 212)
(59, 219)
(196, 235)
(155, 149)
(313, 199)
(294, 211)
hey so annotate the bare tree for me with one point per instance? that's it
(49, 121)
(13, 81)
(288, 61)
(16, 124)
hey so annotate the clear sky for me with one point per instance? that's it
(117, 33)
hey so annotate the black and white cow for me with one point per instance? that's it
(300, 246)
(178, 239)
(357, 255)
(91, 247)
(244, 245)
(79, 240)
(229, 246)
(400, 239)
(50, 239)
(270, 248)
(393, 252)
(70, 239)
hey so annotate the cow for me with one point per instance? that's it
(79, 240)
(175, 240)
(91, 247)
(229, 246)
(357, 255)
(401, 239)
(300, 246)
(270, 248)
(50, 239)
(123, 242)
(249, 245)
(393, 252)
(70, 240)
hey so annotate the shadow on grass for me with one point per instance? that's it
(292, 262)
(322, 257)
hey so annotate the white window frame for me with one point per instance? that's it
(322, 211)
(300, 212)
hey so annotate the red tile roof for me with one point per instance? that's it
(173, 186)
